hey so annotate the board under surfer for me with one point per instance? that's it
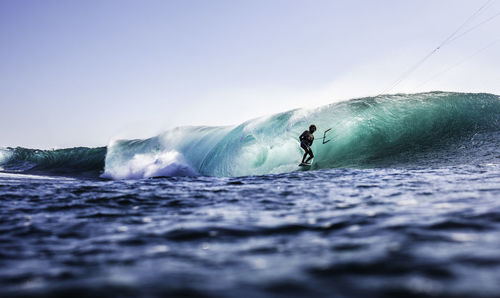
(306, 140)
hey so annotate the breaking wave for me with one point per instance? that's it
(382, 131)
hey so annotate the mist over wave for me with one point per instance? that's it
(383, 131)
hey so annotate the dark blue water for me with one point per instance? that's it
(431, 231)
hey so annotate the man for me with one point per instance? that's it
(306, 140)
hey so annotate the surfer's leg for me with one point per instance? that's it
(311, 155)
(306, 149)
(304, 157)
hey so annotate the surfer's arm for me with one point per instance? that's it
(302, 136)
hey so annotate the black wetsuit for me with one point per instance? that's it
(306, 140)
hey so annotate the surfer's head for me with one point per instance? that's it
(312, 128)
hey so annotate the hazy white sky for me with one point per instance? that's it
(78, 73)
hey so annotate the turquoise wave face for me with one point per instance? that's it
(374, 131)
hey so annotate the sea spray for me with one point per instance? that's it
(143, 165)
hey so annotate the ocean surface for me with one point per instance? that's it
(404, 200)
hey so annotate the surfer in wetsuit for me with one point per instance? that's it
(306, 140)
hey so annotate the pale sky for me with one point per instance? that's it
(80, 73)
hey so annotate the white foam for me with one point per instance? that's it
(20, 176)
(4, 155)
(140, 166)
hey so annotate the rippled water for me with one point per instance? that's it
(340, 232)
